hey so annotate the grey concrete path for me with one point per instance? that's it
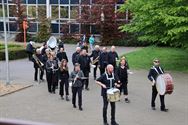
(36, 104)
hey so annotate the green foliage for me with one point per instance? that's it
(173, 59)
(44, 27)
(158, 21)
(15, 52)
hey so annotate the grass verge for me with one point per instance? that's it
(173, 59)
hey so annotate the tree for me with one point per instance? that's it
(158, 21)
(91, 15)
(44, 27)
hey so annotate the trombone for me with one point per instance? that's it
(40, 64)
(95, 60)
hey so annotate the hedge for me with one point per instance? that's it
(15, 52)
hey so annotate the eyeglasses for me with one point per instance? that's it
(157, 61)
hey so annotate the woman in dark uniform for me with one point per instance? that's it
(64, 76)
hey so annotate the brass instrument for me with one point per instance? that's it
(40, 64)
(95, 60)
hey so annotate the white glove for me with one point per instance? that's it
(153, 82)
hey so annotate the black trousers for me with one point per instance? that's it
(154, 95)
(64, 84)
(76, 90)
(123, 88)
(86, 81)
(52, 81)
(36, 73)
(102, 70)
(95, 70)
(105, 107)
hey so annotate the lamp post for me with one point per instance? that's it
(6, 46)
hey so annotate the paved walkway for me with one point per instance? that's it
(36, 104)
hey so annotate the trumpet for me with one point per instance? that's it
(40, 64)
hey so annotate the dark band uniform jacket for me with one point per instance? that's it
(84, 62)
(103, 59)
(62, 55)
(75, 57)
(153, 73)
(112, 58)
(78, 82)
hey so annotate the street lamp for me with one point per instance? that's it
(102, 21)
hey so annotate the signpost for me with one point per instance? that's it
(25, 26)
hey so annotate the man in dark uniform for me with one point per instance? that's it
(152, 76)
(103, 60)
(106, 81)
(62, 55)
(77, 84)
(38, 64)
(95, 55)
(85, 46)
(30, 49)
(84, 61)
(75, 55)
(112, 57)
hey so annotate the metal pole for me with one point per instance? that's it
(6, 46)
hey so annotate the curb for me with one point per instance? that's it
(8, 93)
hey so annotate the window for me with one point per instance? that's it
(85, 1)
(120, 15)
(23, 1)
(31, 1)
(85, 29)
(13, 26)
(74, 11)
(12, 9)
(64, 12)
(55, 12)
(95, 29)
(32, 27)
(74, 1)
(55, 28)
(1, 11)
(1, 26)
(64, 1)
(32, 11)
(74, 28)
(64, 28)
(41, 11)
(54, 2)
(41, 1)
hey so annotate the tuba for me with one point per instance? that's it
(52, 43)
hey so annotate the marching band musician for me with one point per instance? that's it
(112, 57)
(64, 76)
(95, 54)
(62, 55)
(106, 81)
(84, 61)
(38, 65)
(85, 46)
(52, 72)
(152, 76)
(103, 60)
(123, 77)
(30, 49)
(77, 84)
(75, 55)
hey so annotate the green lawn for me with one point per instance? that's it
(172, 59)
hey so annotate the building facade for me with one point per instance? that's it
(59, 11)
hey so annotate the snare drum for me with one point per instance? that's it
(113, 95)
(164, 84)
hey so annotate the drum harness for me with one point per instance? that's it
(110, 78)
(157, 71)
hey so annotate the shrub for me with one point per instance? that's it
(15, 52)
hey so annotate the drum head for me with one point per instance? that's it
(110, 91)
(160, 85)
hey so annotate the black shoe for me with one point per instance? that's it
(74, 106)
(153, 108)
(164, 110)
(127, 100)
(80, 108)
(105, 123)
(53, 92)
(87, 89)
(67, 98)
(62, 97)
(114, 123)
